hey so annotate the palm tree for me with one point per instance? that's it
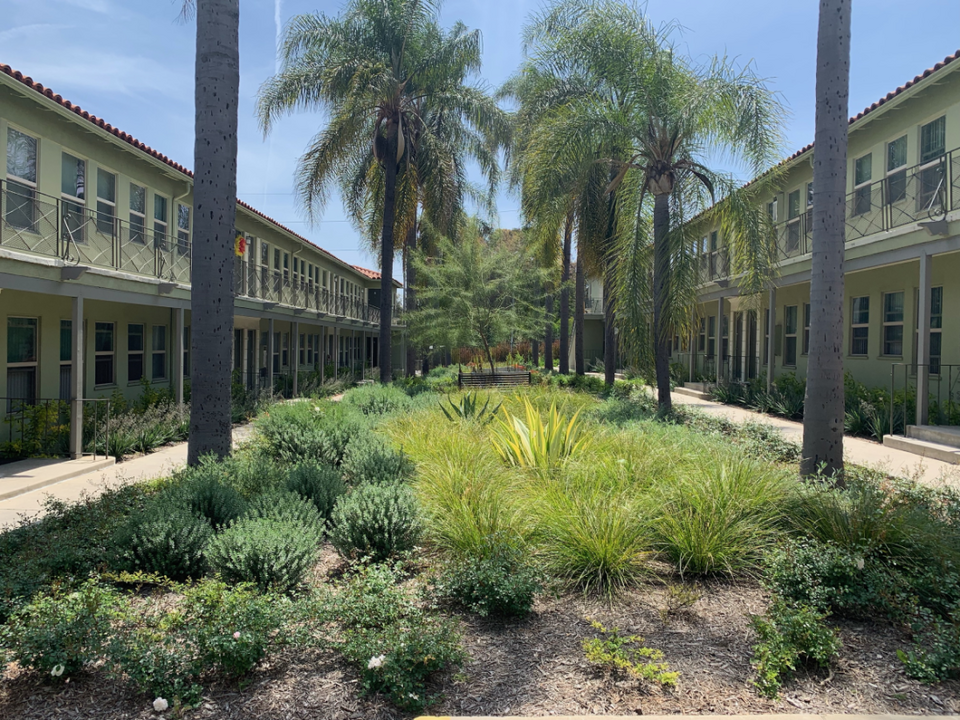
(373, 68)
(823, 414)
(216, 96)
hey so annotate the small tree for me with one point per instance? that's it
(477, 291)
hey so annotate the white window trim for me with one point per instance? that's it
(886, 324)
(154, 352)
(105, 353)
(859, 325)
(36, 169)
(140, 352)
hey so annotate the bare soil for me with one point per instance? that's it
(536, 666)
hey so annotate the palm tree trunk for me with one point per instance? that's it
(823, 414)
(386, 254)
(548, 331)
(409, 292)
(535, 352)
(216, 95)
(661, 270)
(565, 298)
(580, 364)
(609, 306)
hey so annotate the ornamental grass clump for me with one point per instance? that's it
(377, 521)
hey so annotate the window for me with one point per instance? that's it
(932, 147)
(714, 242)
(186, 351)
(772, 211)
(104, 353)
(285, 360)
(893, 324)
(936, 328)
(276, 352)
(793, 223)
(160, 222)
(106, 201)
(724, 336)
(21, 181)
(72, 181)
(806, 328)
(790, 335)
(303, 349)
(264, 253)
(22, 337)
(766, 336)
(711, 336)
(183, 229)
(702, 336)
(66, 359)
(138, 214)
(134, 352)
(862, 173)
(860, 326)
(896, 170)
(158, 365)
(286, 268)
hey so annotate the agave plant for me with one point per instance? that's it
(468, 408)
(538, 443)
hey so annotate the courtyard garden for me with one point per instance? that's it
(553, 549)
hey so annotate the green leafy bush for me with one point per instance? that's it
(61, 630)
(500, 582)
(205, 496)
(377, 399)
(249, 474)
(626, 653)
(936, 650)
(788, 635)
(166, 539)
(272, 554)
(375, 520)
(369, 459)
(320, 484)
(157, 663)
(288, 507)
(296, 432)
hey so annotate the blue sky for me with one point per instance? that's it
(131, 62)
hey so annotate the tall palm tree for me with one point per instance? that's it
(371, 69)
(216, 95)
(823, 410)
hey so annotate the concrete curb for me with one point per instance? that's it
(768, 716)
(24, 476)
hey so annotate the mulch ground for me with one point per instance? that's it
(536, 667)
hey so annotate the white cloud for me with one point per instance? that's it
(27, 31)
(99, 6)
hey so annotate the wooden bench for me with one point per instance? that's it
(484, 380)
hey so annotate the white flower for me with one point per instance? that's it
(57, 670)
(375, 662)
(236, 635)
(160, 705)
(859, 563)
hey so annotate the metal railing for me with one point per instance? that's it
(712, 369)
(943, 394)
(40, 427)
(39, 224)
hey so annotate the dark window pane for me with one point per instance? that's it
(104, 337)
(103, 372)
(159, 366)
(21, 340)
(858, 346)
(933, 140)
(893, 340)
(135, 367)
(22, 384)
(134, 338)
(66, 340)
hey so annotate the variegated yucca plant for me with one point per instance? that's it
(537, 442)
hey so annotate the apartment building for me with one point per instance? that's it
(96, 229)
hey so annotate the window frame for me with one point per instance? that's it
(931, 168)
(863, 324)
(788, 335)
(161, 226)
(29, 187)
(136, 353)
(183, 232)
(73, 205)
(160, 354)
(892, 324)
(862, 189)
(805, 349)
(138, 219)
(32, 365)
(106, 216)
(895, 174)
(100, 354)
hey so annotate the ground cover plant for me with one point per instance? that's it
(420, 550)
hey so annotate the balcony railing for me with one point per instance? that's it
(38, 224)
(922, 192)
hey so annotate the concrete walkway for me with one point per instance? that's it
(856, 450)
(157, 464)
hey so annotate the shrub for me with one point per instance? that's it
(720, 515)
(320, 484)
(269, 553)
(248, 474)
(300, 431)
(61, 630)
(369, 459)
(377, 399)
(500, 582)
(375, 520)
(165, 539)
(788, 635)
(205, 496)
(626, 653)
(288, 507)
(936, 651)
(157, 663)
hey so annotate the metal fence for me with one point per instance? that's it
(40, 427)
(943, 394)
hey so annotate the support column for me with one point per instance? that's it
(295, 362)
(771, 332)
(76, 380)
(718, 341)
(178, 324)
(270, 349)
(693, 348)
(923, 341)
(336, 352)
(323, 352)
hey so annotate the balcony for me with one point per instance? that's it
(910, 195)
(37, 224)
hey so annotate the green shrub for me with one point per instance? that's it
(377, 399)
(295, 432)
(61, 630)
(269, 553)
(936, 650)
(375, 520)
(158, 663)
(288, 507)
(320, 484)
(719, 516)
(248, 474)
(165, 539)
(205, 496)
(500, 582)
(369, 459)
(786, 636)
(626, 653)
